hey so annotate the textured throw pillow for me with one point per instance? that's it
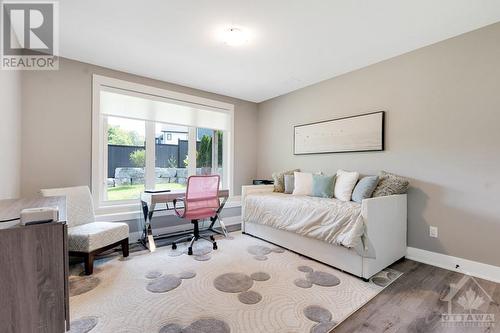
(323, 186)
(279, 180)
(344, 184)
(390, 184)
(303, 183)
(364, 188)
(289, 184)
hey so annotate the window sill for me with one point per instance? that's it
(117, 213)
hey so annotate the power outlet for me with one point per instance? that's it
(433, 232)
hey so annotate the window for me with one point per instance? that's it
(209, 152)
(126, 160)
(149, 138)
(171, 160)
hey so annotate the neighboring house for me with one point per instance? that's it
(169, 137)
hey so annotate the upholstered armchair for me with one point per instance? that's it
(86, 237)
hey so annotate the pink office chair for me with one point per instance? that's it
(201, 202)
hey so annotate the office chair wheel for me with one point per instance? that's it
(212, 238)
(215, 246)
(190, 251)
(174, 246)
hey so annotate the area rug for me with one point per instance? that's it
(246, 285)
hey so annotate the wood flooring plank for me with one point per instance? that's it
(413, 303)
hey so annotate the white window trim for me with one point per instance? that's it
(99, 176)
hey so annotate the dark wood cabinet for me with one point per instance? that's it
(34, 279)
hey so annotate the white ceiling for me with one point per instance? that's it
(295, 43)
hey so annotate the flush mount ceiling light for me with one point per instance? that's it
(234, 36)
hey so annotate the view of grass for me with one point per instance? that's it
(127, 192)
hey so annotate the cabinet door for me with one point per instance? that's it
(32, 279)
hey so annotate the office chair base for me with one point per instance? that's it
(193, 238)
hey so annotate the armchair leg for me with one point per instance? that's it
(89, 263)
(125, 247)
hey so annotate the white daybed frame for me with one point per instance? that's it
(385, 219)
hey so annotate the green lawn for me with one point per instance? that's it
(127, 192)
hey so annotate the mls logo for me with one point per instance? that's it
(29, 35)
(468, 305)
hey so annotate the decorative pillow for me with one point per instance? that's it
(344, 184)
(364, 188)
(289, 184)
(303, 183)
(390, 184)
(322, 186)
(279, 180)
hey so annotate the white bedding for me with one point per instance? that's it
(329, 220)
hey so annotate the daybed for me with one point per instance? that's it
(384, 222)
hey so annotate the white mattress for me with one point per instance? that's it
(329, 220)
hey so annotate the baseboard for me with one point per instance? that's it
(231, 220)
(469, 267)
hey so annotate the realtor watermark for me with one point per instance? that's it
(29, 35)
(468, 305)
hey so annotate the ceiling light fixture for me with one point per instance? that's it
(234, 36)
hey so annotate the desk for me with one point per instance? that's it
(149, 202)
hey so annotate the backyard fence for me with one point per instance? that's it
(167, 156)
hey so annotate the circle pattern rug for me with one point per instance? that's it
(231, 292)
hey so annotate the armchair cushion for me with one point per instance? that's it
(92, 236)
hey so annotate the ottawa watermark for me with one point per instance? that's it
(29, 35)
(468, 305)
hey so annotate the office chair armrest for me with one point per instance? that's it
(180, 214)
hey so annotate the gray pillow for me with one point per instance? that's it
(289, 184)
(364, 188)
(323, 186)
(390, 184)
(279, 180)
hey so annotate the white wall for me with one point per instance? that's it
(10, 134)
(442, 132)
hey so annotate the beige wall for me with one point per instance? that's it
(10, 134)
(442, 132)
(56, 126)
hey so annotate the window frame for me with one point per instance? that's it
(99, 140)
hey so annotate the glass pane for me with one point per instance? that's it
(171, 157)
(204, 138)
(219, 138)
(219, 156)
(209, 152)
(126, 158)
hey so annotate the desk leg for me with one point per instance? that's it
(149, 231)
(223, 227)
(217, 217)
(147, 239)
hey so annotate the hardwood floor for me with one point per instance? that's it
(413, 303)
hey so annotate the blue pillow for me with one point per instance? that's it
(323, 186)
(364, 188)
